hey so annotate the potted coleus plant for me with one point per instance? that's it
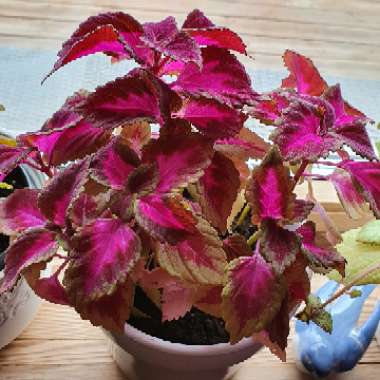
(18, 305)
(161, 233)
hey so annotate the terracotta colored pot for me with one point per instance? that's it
(144, 357)
(19, 306)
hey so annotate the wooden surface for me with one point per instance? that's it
(342, 37)
(60, 346)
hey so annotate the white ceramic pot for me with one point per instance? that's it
(19, 306)
(144, 357)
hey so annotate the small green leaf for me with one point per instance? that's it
(2, 108)
(5, 186)
(370, 233)
(313, 311)
(355, 293)
(359, 256)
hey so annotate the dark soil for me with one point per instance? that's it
(196, 327)
(17, 179)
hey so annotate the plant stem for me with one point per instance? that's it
(299, 172)
(352, 283)
(253, 238)
(243, 214)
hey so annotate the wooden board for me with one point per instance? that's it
(58, 345)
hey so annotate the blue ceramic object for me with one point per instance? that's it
(320, 353)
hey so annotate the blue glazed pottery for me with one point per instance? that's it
(322, 354)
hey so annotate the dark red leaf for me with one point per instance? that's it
(197, 19)
(221, 77)
(135, 97)
(213, 119)
(217, 190)
(279, 245)
(321, 259)
(304, 76)
(165, 38)
(57, 195)
(236, 246)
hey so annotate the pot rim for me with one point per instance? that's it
(168, 347)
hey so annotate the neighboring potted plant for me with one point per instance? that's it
(158, 221)
(18, 305)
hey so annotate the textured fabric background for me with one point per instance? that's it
(28, 104)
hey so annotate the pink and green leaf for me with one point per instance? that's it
(181, 158)
(321, 259)
(19, 211)
(349, 195)
(198, 260)
(55, 198)
(166, 218)
(105, 253)
(269, 190)
(33, 246)
(112, 165)
(217, 190)
(367, 176)
(278, 245)
(246, 313)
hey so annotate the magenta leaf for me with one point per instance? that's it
(197, 20)
(245, 145)
(269, 191)
(19, 211)
(165, 38)
(304, 76)
(134, 97)
(166, 218)
(217, 190)
(10, 158)
(215, 120)
(301, 210)
(220, 37)
(320, 259)
(252, 296)
(116, 34)
(367, 176)
(180, 156)
(68, 144)
(221, 77)
(57, 195)
(200, 259)
(279, 245)
(350, 125)
(112, 164)
(33, 246)
(268, 107)
(349, 196)
(303, 132)
(107, 250)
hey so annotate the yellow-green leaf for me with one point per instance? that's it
(370, 233)
(360, 256)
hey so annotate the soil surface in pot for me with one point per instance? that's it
(196, 327)
(17, 179)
